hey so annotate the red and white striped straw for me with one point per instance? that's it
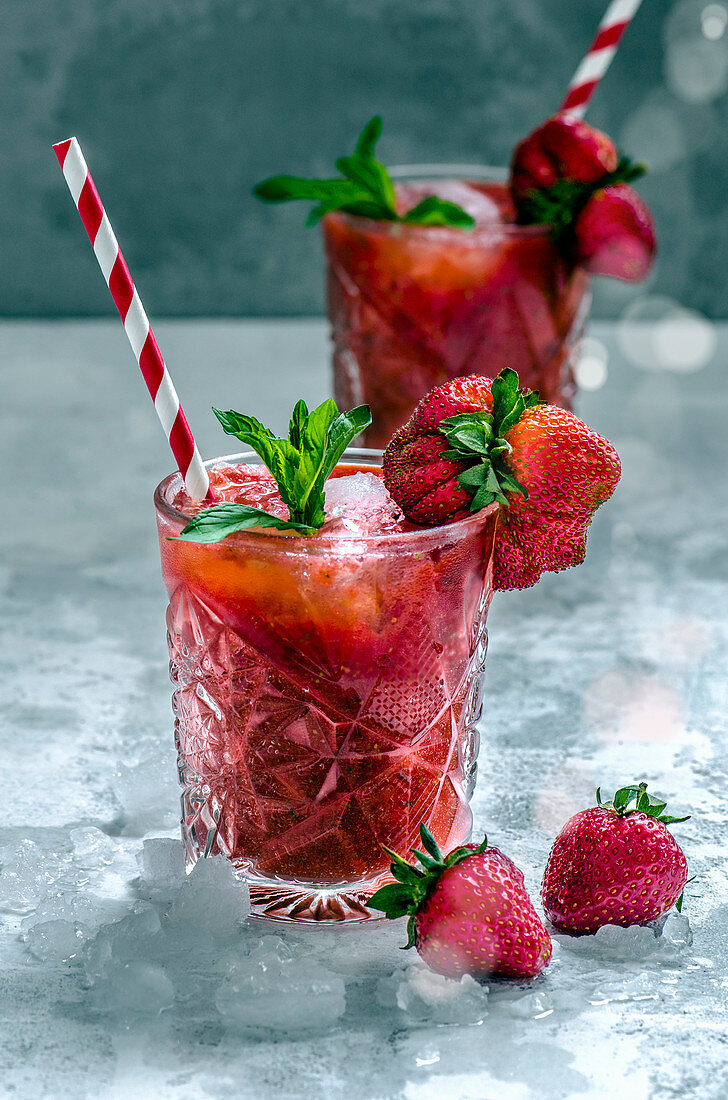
(136, 323)
(585, 81)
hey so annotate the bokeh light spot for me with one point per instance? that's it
(657, 333)
(714, 19)
(696, 51)
(634, 708)
(656, 129)
(591, 369)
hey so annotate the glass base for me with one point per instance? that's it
(311, 906)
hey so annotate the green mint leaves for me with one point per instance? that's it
(414, 884)
(560, 205)
(478, 440)
(300, 465)
(366, 189)
(630, 799)
(215, 523)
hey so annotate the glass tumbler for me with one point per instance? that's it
(413, 307)
(326, 695)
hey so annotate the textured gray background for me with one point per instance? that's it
(181, 107)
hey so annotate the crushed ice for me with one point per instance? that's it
(359, 503)
(140, 933)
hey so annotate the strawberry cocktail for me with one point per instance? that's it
(326, 687)
(436, 279)
(326, 626)
(412, 307)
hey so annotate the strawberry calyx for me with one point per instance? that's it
(560, 204)
(406, 896)
(477, 440)
(633, 798)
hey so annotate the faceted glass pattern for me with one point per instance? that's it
(317, 721)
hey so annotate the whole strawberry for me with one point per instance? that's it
(476, 441)
(561, 148)
(469, 912)
(615, 863)
(614, 234)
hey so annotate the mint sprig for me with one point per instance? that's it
(628, 800)
(406, 896)
(560, 205)
(366, 189)
(477, 439)
(299, 464)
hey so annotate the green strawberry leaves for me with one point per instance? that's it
(560, 205)
(478, 440)
(300, 465)
(630, 799)
(366, 189)
(414, 885)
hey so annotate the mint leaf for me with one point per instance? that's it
(362, 208)
(342, 432)
(216, 523)
(279, 455)
(312, 451)
(297, 424)
(439, 212)
(365, 190)
(369, 137)
(302, 463)
(285, 188)
(368, 173)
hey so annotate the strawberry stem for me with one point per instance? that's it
(633, 798)
(478, 441)
(413, 885)
(560, 205)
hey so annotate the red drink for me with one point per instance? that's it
(326, 688)
(413, 307)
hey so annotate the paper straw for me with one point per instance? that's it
(585, 81)
(136, 324)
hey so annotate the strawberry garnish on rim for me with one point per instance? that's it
(569, 176)
(478, 441)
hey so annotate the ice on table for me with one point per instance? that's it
(360, 504)
(670, 934)
(145, 940)
(424, 996)
(210, 903)
(272, 989)
(146, 791)
(162, 868)
(192, 921)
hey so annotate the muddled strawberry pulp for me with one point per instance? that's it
(413, 307)
(326, 687)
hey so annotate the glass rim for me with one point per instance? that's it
(308, 543)
(478, 173)
(487, 173)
